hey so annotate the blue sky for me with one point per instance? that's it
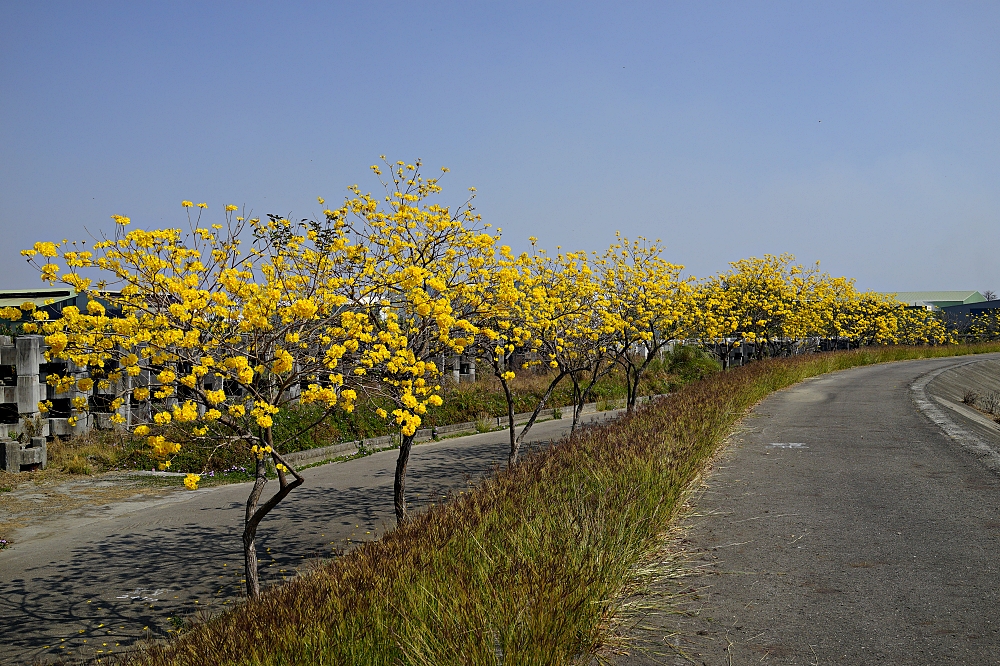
(863, 135)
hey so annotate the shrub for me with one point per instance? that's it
(990, 402)
(690, 363)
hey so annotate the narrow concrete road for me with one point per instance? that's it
(854, 520)
(84, 586)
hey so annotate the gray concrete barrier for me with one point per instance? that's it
(17, 457)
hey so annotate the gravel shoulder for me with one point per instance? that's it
(842, 524)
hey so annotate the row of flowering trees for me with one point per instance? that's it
(205, 334)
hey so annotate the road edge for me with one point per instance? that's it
(988, 455)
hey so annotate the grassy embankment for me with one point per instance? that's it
(526, 568)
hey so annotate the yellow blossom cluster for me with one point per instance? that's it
(260, 451)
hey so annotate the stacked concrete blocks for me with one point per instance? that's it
(23, 373)
(22, 390)
(59, 418)
(16, 457)
(459, 368)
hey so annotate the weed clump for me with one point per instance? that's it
(78, 465)
(484, 423)
(988, 402)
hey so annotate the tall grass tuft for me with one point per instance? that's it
(526, 568)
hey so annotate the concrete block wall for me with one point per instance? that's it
(458, 368)
(21, 399)
(26, 356)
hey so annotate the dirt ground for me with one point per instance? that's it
(32, 497)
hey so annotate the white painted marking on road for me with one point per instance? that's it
(139, 594)
(967, 440)
(788, 445)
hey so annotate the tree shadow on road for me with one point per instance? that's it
(143, 584)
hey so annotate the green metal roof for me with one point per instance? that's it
(939, 299)
(15, 297)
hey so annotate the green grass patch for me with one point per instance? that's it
(527, 567)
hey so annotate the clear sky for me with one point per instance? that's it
(864, 135)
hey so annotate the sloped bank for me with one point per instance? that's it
(523, 570)
(964, 400)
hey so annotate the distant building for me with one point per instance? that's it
(971, 308)
(939, 300)
(51, 301)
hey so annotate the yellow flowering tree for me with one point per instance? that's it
(210, 340)
(871, 318)
(565, 317)
(647, 306)
(919, 326)
(862, 318)
(981, 327)
(759, 301)
(429, 270)
(503, 330)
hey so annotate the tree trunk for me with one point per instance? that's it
(633, 374)
(632, 378)
(399, 498)
(539, 407)
(580, 395)
(250, 531)
(514, 444)
(577, 403)
(256, 514)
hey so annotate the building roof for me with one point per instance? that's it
(12, 298)
(972, 308)
(939, 299)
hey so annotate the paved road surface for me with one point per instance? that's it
(80, 585)
(843, 526)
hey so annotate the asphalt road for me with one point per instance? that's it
(853, 520)
(87, 584)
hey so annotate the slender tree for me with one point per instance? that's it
(429, 271)
(647, 304)
(209, 342)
